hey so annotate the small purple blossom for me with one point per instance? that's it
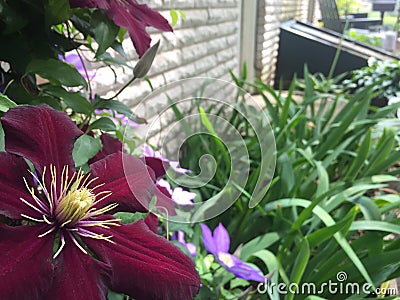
(180, 237)
(218, 245)
(178, 195)
(149, 152)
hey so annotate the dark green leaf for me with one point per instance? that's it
(85, 148)
(300, 264)
(78, 103)
(57, 11)
(257, 244)
(56, 71)
(11, 19)
(74, 100)
(105, 31)
(104, 123)
(107, 58)
(119, 107)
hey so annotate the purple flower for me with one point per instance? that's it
(178, 195)
(218, 245)
(149, 152)
(132, 16)
(180, 237)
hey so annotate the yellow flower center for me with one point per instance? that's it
(69, 201)
(226, 259)
(75, 206)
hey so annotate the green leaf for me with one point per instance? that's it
(323, 180)
(174, 17)
(127, 217)
(326, 233)
(119, 107)
(11, 19)
(74, 100)
(257, 244)
(2, 141)
(275, 269)
(115, 296)
(103, 123)
(300, 265)
(105, 31)
(360, 158)
(78, 103)
(334, 135)
(85, 148)
(6, 103)
(57, 11)
(108, 59)
(183, 15)
(56, 71)
(376, 225)
(285, 166)
(328, 221)
(144, 64)
(368, 207)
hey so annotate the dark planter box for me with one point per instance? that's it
(302, 43)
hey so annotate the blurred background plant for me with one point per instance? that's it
(384, 76)
(372, 40)
(333, 204)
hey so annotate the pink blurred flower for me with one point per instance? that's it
(178, 195)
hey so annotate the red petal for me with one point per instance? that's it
(165, 201)
(26, 270)
(78, 276)
(128, 179)
(152, 222)
(157, 165)
(149, 16)
(132, 16)
(41, 134)
(12, 187)
(137, 29)
(145, 265)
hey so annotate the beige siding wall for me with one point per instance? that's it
(206, 44)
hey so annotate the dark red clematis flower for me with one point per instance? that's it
(158, 167)
(63, 244)
(130, 15)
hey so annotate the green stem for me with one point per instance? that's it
(122, 89)
(337, 54)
